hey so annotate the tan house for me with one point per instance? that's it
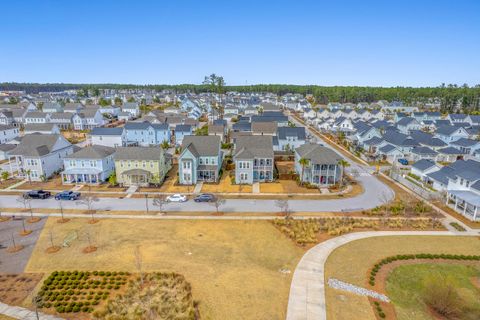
(141, 166)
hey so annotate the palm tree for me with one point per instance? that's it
(303, 162)
(344, 164)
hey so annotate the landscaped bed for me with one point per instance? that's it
(14, 288)
(353, 262)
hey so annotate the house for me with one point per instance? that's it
(43, 128)
(278, 117)
(36, 117)
(73, 107)
(457, 117)
(109, 111)
(89, 165)
(467, 146)
(39, 156)
(343, 124)
(200, 159)
(254, 159)
(124, 116)
(250, 110)
(63, 120)
(449, 154)
(146, 134)
(450, 134)
(8, 133)
(264, 128)
(288, 139)
(423, 167)
(5, 150)
(131, 107)
(420, 152)
(88, 119)
(50, 107)
(407, 124)
(6, 117)
(181, 131)
(141, 166)
(218, 130)
(109, 137)
(322, 168)
(390, 153)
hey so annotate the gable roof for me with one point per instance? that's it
(107, 131)
(138, 153)
(249, 147)
(318, 154)
(36, 145)
(202, 145)
(284, 132)
(92, 152)
(424, 164)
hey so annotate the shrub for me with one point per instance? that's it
(76, 309)
(441, 295)
(85, 309)
(60, 309)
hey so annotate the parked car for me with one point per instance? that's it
(177, 198)
(67, 195)
(403, 162)
(37, 194)
(204, 197)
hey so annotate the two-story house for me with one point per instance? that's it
(181, 131)
(90, 165)
(288, 138)
(8, 133)
(141, 166)
(89, 118)
(254, 159)
(146, 133)
(201, 159)
(322, 167)
(133, 108)
(39, 156)
(110, 137)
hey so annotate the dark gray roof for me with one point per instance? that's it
(375, 141)
(249, 147)
(424, 164)
(449, 150)
(107, 131)
(7, 147)
(318, 154)
(464, 142)
(36, 145)
(183, 128)
(399, 139)
(442, 175)
(242, 126)
(406, 121)
(446, 130)
(284, 132)
(423, 151)
(202, 145)
(61, 116)
(92, 152)
(39, 126)
(426, 139)
(442, 122)
(386, 148)
(138, 153)
(35, 114)
(264, 127)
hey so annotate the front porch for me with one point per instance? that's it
(465, 202)
(136, 177)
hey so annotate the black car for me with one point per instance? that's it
(204, 197)
(37, 194)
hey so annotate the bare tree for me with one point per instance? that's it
(284, 207)
(89, 202)
(217, 202)
(139, 262)
(160, 203)
(146, 202)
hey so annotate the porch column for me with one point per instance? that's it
(475, 213)
(328, 171)
(465, 205)
(456, 203)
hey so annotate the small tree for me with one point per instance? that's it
(139, 262)
(284, 207)
(89, 202)
(146, 202)
(441, 295)
(28, 172)
(27, 204)
(303, 162)
(217, 202)
(5, 175)
(160, 203)
(165, 144)
(344, 164)
(112, 180)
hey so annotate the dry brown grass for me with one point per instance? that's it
(362, 254)
(7, 183)
(52, 184)
(225, 186)
(233, 266)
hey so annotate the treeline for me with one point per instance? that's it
(452, 98)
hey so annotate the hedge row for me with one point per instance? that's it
(399, 257)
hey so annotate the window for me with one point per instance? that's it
(206, 160)
(144, 163)
(92, 163)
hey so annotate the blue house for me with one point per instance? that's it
(181, 131)
(90, 165)
(146, 134)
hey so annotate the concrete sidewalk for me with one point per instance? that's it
(24, 314)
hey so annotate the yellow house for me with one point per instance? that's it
(141, 166)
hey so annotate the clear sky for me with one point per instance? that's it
(374, 43)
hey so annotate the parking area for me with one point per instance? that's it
(16, 262)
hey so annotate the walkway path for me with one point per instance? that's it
(307, 291)
(24, 314)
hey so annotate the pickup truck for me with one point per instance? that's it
(67, 195)
(37, 194)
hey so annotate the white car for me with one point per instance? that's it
(177, 198)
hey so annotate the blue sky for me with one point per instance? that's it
(374, 43)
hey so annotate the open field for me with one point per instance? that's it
(406, 286)
(363, 254)
(234, 266)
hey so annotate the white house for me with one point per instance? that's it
(110, 137)
(8, 133)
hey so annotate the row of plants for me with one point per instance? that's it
(458, 227)
(402, 208)
(379, 309)
(305, 231)
(79, 291)
(400, 257)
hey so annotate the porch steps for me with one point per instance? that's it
(13, 186)
(198, 187)
(324, 191)
(256, 187)
(130, 191)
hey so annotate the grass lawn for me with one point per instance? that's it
(406, 283)
(233, 266)
(352, 263)
(225, 186)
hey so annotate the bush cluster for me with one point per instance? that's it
(79, 291)
(376, 268)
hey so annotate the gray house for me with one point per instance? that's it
(253, 159)
(200, 159)
(322, 168)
